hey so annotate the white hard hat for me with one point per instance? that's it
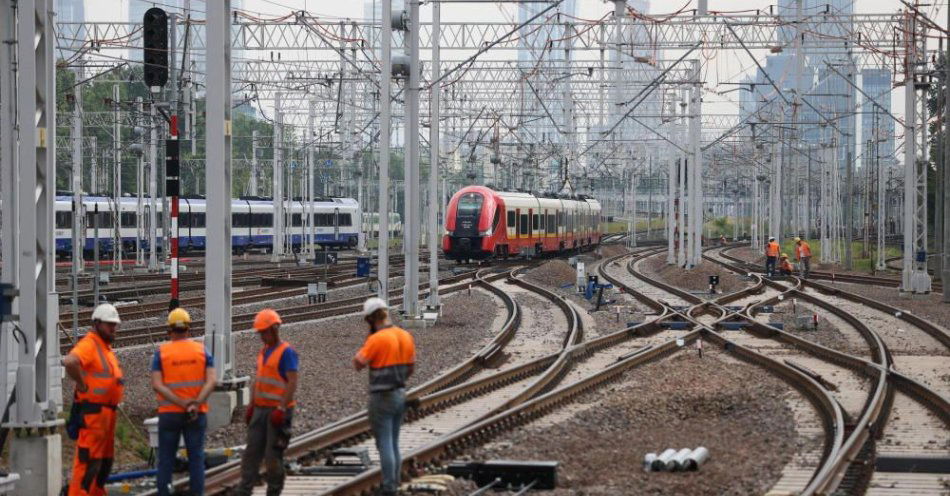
(373, 304)
(106, 313)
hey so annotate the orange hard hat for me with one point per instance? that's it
(265, 319)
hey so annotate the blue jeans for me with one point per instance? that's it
(171, 426)
(770, 265)
(386, 410)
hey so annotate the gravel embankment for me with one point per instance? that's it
(555, 274)
(329, 388)
(929, 307)
(680, 402)
(827, 334)
(758, 257)
(692, 280)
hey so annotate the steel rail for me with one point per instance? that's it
(881, 369)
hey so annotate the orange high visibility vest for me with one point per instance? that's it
(184, 363)
(804, 250)
(772, 249)
(101, 371)
(269, 386)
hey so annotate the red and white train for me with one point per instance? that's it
(483, 223)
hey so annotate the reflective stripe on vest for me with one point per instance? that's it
(105, 385)
(269, 386)
(184, 364)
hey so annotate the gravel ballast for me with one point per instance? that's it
(929, 306)
(555, 274)
(827, 334)
(696, 279)
(683, 401)
(329, 388)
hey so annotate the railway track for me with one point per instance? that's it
(840, 422)
(904, 418)
(155, 333)
(816, 413)
(891, 282)
(336, 279)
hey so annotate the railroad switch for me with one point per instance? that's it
(676, 326)
(508, 473)
(342, 462)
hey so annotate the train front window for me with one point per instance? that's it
(470, 204)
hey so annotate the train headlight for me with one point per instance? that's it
(484, 233)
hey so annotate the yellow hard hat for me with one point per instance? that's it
(797, 239)
(179, 318)
(784, 255)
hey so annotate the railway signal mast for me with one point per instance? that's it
(155, 73)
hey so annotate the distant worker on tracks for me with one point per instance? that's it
(390, 354)
(99, 388)
(271, 410)
(771, 256)
(803, 255)
(784, 266)
(183, 377)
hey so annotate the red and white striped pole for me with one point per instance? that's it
(172, 186)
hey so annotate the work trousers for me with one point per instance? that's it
(770, 265)
(806, 266)
(264, 443)
(171, 428)
(386, 410)
(95, 450)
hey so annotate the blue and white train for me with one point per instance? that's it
(337, 223)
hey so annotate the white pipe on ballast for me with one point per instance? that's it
(679, 460)
(664, 461)
(648, 460)
(698, 457)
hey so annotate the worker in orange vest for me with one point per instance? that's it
(183, 377)
(771, 256)
(271, 410)
(785, 267)
(390, 354)
(803, 254)
(99, 388)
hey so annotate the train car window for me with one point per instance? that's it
(64, 220)
(346, 220)
(105, 220)
(296, 220)
(541, 226)
(535, 223)
(470, 204)
(239, 220)
(552, 227)
(511, 218)
(495, 219)
(200, 220)
(127, 219)
(261, 220)
(523, 227)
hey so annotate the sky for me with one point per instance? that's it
(724, 65)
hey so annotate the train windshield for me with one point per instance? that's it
(470, 204)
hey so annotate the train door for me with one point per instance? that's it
(517, 223)
(531, 225)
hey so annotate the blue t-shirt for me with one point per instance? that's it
(288, 361)
(157, 361)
